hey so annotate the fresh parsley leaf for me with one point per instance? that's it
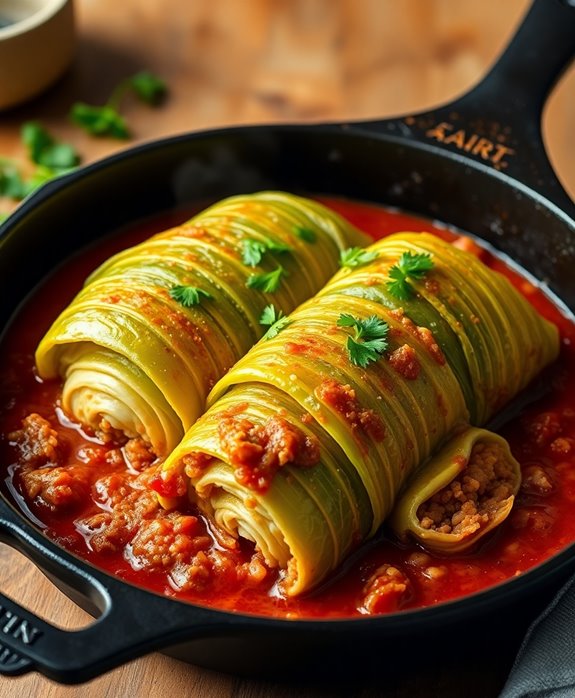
(270, 315)
(346, 320)
(3, 216)
(410, 265)
(60, 157)
(52, 158)
(363, 353)
(415, 265)
(369, 340)
(371, 328)
(268, 283)
(398, 285)
(274, 246)
(44, 150)
(305, 234)
(148, 87)
(277, 327)
(355, 257)
(35, 138)
(100, 121)
(275, 319)
(106, 120)
(12, 184)
(188, 295)
(252, 252)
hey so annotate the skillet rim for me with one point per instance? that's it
(356, 129)
(401, 623)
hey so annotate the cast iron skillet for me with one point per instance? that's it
(501, 188)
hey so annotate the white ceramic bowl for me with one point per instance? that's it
(36, 46)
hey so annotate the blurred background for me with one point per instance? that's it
(232, 61)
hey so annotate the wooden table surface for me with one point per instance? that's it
(229, 62)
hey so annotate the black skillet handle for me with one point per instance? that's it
(498, 123)
(130, 621)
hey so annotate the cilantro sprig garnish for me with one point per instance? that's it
(50, 157)
(369, 340)
(410, 266)
(106, 120)
(305, 234)
(148, 87)
(254, 250)
(188, 295)
(268, 282)
(12, 184)
(46, 151)
(100, 120)
(355, 257)
(274, 319)
(273, 246)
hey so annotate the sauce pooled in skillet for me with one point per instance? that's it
(95, 498)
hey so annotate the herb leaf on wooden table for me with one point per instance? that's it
(106, 120)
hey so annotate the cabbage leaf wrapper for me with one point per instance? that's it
(304, 450)
(463, 492)
(155, 326)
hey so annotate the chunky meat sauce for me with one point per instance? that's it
(342, 399)
(96, 494)
(258, 451)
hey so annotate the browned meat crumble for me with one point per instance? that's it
(257, 451)
(37, 442)
(470, 500)
(387, 589)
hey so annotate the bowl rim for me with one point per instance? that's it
(48, 10)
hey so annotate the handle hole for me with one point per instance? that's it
(24, 583)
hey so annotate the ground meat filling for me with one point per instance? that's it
(387, 589)
(126, 504)
(538, 480)
(60, 488)
(109, 434)
(164, 542)
(44, 481)
(49, 482)
(138, 454)
(37, 442)
(472, 500)
(258, 451)
(132, 523)
(125, 517)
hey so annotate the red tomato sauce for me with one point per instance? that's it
(541, 435)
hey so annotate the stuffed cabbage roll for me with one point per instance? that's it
(312, 435)
(156, 326)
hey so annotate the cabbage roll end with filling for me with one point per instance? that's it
(158, 324)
